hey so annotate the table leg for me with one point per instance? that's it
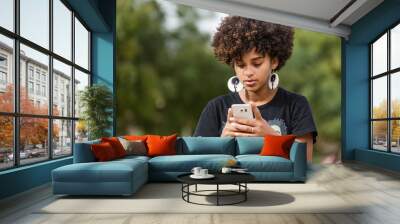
(217, 194)
(245, 193)
(196, 188)
(182, 189)
(188, 189)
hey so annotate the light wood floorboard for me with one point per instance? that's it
(378, 189)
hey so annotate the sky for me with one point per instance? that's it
(35, 27)
(379, 60)
(208, 25)
(395, 45)
(6, 13)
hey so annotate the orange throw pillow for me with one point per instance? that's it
(116, 145)
(103, 151)
(136, 137)
(277, 145)
(161, 145)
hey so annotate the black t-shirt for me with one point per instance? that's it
(287, 113)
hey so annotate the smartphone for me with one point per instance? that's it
(242, 111)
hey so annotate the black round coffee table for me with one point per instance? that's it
(238, 179)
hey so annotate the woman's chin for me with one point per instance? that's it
(252, 88)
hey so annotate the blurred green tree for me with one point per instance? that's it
(165, 77)
(314, 70)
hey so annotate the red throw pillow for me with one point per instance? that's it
(103, 151)
(136, 137)
(116, 145)
(161, 145)
(277, 145)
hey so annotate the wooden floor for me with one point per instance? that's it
(378, 188)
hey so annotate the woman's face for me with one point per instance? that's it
(254, 70)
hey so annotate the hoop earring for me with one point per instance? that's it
(234, 84)
(273, 81)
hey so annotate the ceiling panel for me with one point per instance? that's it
(327, 16)
(320, 9)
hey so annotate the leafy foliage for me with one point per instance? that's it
(33, 130)
(314, 70)
(96, 101)
(165, 77)
(379, 128)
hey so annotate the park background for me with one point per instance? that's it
(166, 72)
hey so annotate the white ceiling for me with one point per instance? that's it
(321, 9)
(327, 16)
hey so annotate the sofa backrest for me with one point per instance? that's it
(190, 146)
(249, 145)
(205, 145)
(83, 152)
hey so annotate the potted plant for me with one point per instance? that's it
(96, 102)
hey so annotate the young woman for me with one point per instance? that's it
(256, 50)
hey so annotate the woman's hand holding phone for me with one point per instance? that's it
(228, 130)
(241, 127)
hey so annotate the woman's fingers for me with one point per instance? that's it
(228, 129)
(231, 130)
(256, 112)
(232, 127)
(243, 128)
(241, 134)
(248, 122)
(240, 127)
(229, 115)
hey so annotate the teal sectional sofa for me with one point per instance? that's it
(125, 176)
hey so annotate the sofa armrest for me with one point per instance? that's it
(298, 155)
(83, 152)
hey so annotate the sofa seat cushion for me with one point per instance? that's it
(185, 163)
(257, 163)
(111, 171)
(133, 157)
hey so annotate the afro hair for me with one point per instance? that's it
(238, 35)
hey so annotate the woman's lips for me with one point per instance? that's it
(250, 82)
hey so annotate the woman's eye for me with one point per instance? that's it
(257, 65)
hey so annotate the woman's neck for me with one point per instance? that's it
(260, 97)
